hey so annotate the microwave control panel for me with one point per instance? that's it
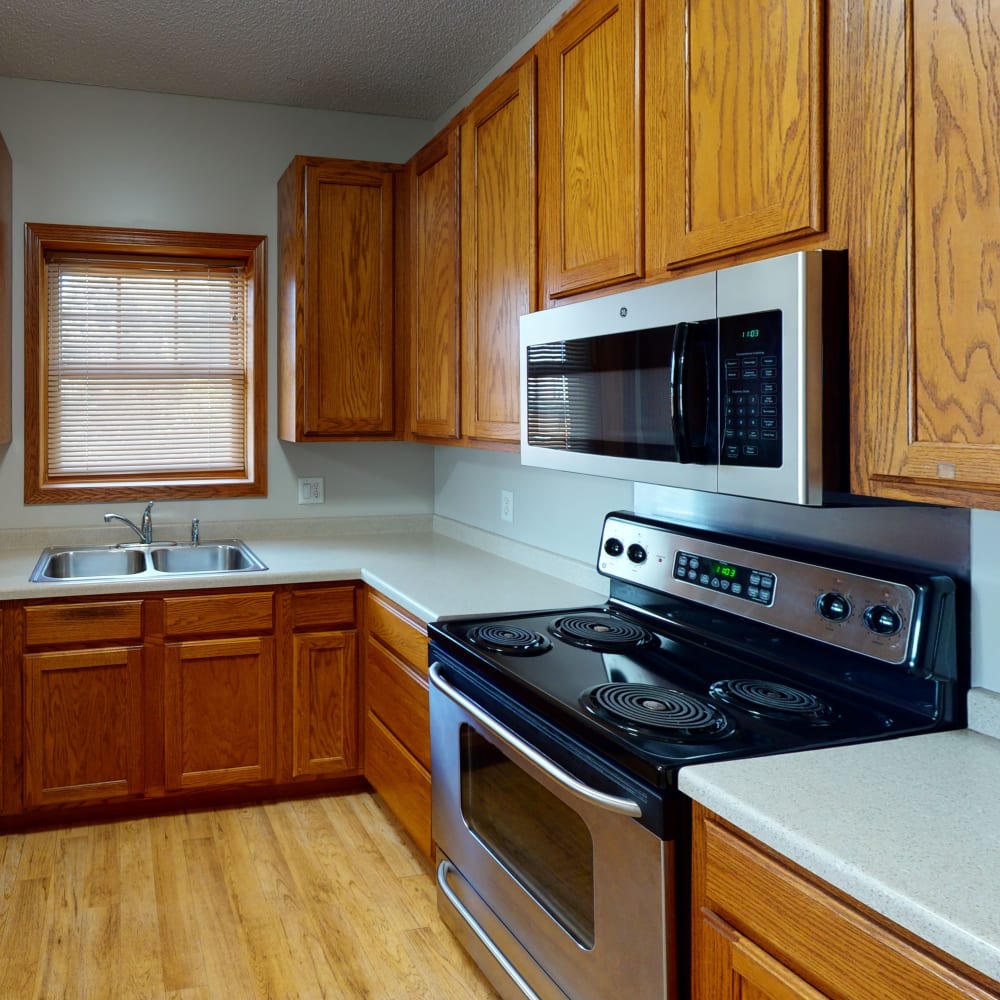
(750, 373)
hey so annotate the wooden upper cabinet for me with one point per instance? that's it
(6, 286)
(925, 320)
(590, 148)
(434, 290)
(499, 250)
(335, 300)
(735, 127)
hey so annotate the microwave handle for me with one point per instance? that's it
(678, 366)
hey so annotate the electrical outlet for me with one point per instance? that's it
(507, 506)
(311, 490)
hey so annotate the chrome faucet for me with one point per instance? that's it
(145, 532)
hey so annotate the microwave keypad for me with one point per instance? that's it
(750, 348)
(739, 581)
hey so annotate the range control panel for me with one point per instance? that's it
(858, 613)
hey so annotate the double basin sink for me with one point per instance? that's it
(105, 562)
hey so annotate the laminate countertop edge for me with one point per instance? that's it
(907, 826)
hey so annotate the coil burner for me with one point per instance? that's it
(602, 632)
(652, 710)
(775, 701)
(510, 639)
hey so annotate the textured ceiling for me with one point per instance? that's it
(412, 58)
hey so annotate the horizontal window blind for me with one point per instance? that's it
(563, 404)
(146, 368)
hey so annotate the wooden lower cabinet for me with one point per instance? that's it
(219, 712)
(83, 732)
(397, 721)
(765, 929)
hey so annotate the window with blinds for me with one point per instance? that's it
(146, 364)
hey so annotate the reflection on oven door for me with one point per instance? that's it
(568, 889)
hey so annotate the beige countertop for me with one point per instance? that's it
(909, 827)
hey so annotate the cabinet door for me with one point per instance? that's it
(82, 725)
(336, 295)
(734, 126)
(434, 290)
(499, 263)
(926, 326)
(326, 709)
(219, 712)
(730, 966)
(590, 148)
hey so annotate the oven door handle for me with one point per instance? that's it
(444, 869)
(610, 803)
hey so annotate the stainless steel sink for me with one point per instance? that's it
(206, 557)
(107, 562)
(90, 563)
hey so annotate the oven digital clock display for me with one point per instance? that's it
(744, 582)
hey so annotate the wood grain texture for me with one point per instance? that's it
(735, 126)
(757, 919)
(335, 310)
(590, 148)
(218, 614)
(219, 704)
(398, 696)
(326, 710)
(319, 607)
(57, 624)
(435, 344)
(83, 738)
(318, 898)
(401, 780)
(398, 630)
(6, 289)
(499, 250)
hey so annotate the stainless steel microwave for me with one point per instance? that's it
(732, 381)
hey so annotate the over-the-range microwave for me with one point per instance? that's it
(732, 381)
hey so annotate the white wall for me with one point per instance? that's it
(95, 156)
(985, 548)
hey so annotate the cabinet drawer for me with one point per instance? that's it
(323, 607)
(218, 614)
(397, 776)
(100, 621)
(787, 913)
(399, 698)
(394, 628)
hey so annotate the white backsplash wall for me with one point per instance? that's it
(985, 548)
(96, 156)
(561, 512)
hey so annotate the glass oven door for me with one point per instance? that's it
(553, 884)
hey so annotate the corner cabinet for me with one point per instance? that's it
(735, 127)
(764, 929)
(590, 148)
(336, 345)
(498, 251)
(925, 318)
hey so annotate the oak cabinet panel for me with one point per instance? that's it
(219, 712)
(590, 148)
(763, 929)
(926, 326)
(335, 309)
(499, 258)
(325, 719)
(397, 716)
(83, 735)
(735, 126)
(434, 290)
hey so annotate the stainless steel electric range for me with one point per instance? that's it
(557, 736)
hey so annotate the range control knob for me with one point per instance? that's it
(882, 620)
(637, 553)
(614, 547)
(834, 607)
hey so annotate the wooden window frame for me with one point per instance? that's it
(42, 239)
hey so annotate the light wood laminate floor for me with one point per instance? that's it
(319, 897)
